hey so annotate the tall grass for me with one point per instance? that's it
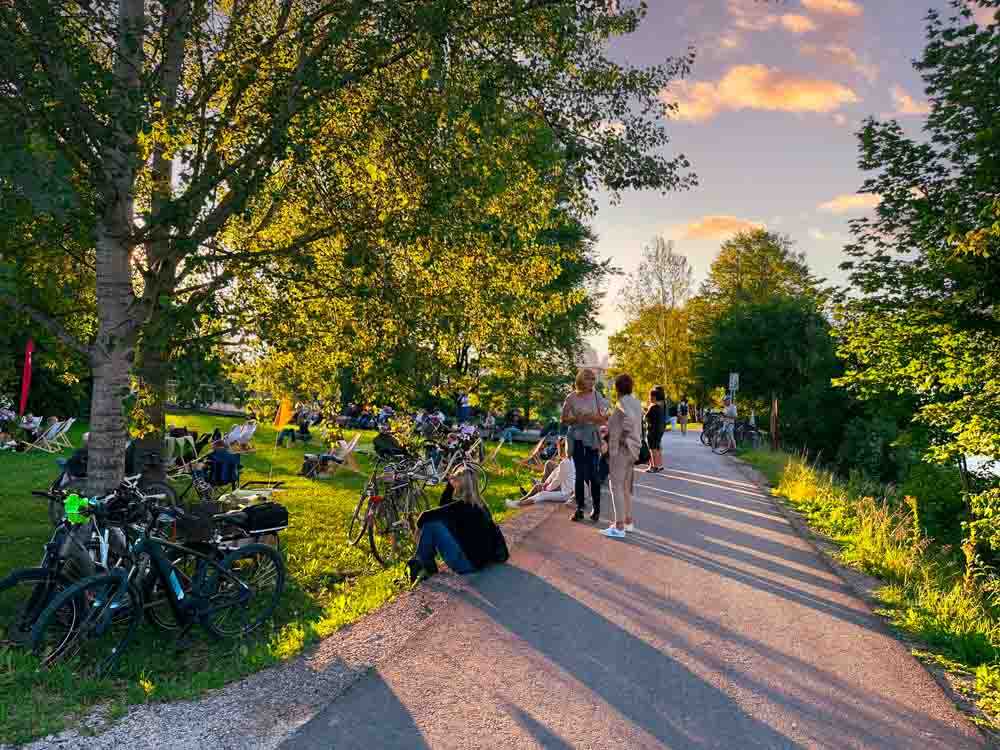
(933, 593)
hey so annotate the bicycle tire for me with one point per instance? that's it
(262, 569)
(156, 607)
(400, 535)
(706, 435)
(95, 600)
(358, 514)
(20, 607)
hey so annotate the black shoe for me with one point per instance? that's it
(578, 516)
(594, 517)
(417, 570)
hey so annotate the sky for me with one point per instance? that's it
(768, 118)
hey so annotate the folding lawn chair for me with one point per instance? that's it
(245, 442)
(492, 458)
(62, 437)
(233, 436)
(46, 441)
(314, 463)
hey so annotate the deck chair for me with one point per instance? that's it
(233, 436)
(246, 439)
(46, 441)
(62, 438)
(491, 460)
(313, 463)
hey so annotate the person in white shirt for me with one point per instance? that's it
(557, 488)
(624, 441)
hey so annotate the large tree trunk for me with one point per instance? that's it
(113, 349)
(111, 360)
(153, 371)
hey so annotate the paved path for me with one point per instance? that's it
(715, 626)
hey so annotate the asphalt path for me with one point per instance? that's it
(714, 626)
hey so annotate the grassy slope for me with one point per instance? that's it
(332, 584)
(928, 595)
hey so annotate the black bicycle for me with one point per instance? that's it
(75, 550)
(92, 622)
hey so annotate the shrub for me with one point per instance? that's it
(936, 501)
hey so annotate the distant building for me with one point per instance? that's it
(591, 360)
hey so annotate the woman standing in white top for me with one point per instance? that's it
(624, 440)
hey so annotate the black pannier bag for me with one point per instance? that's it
(263, 517)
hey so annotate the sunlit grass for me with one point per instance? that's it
(331, 584)
(930, 593)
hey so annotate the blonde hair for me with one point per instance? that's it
(468, 486)
(581, 375)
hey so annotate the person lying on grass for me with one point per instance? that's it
(557, 487)
(461, 529)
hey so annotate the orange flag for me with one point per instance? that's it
(284, 415)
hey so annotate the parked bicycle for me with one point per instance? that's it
(229, 593)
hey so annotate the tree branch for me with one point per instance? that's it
(47, 322)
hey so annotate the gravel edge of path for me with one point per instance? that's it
(261, 710)
(955, 686)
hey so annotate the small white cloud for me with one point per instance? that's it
(818, 234)
(840, 119)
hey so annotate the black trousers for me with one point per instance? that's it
(585, 462)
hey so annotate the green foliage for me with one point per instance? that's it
(936, 498)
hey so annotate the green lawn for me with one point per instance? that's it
(331, 585)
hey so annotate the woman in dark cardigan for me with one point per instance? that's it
(656, 423)
(461, 529)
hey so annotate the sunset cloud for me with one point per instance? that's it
(715, 228)
(983, 16)
(838, 54)
(798, 24)
(757, 87)
(851, 202)
(758, 17)
(834, 7)
(906, 104)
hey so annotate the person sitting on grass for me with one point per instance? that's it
(557, 487)
(461, 529)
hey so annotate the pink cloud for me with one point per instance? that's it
(850, 202)
(834, 7)
(758, 87)
(839, 54)
(798, 24)
(906, 104)
(715, 227)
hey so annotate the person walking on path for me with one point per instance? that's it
(624, 427)
(584, 412)
(683, 410)
(656, 423)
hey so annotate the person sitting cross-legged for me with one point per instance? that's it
(461, 530)
(557, 487)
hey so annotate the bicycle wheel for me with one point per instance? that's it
(233, 610)
(106, 610)
(706, 435)
(24, 595)
(357, 520)
(156, 604)
(391, 533)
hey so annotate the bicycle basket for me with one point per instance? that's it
(264, 517)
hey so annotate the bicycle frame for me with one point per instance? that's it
(187, 612)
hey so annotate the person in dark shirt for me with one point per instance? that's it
(461, 529)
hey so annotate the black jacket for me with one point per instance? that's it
(480, 539)
(656, 421)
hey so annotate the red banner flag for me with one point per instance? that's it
(26, 378)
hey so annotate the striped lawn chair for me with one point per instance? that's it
(46, 441)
